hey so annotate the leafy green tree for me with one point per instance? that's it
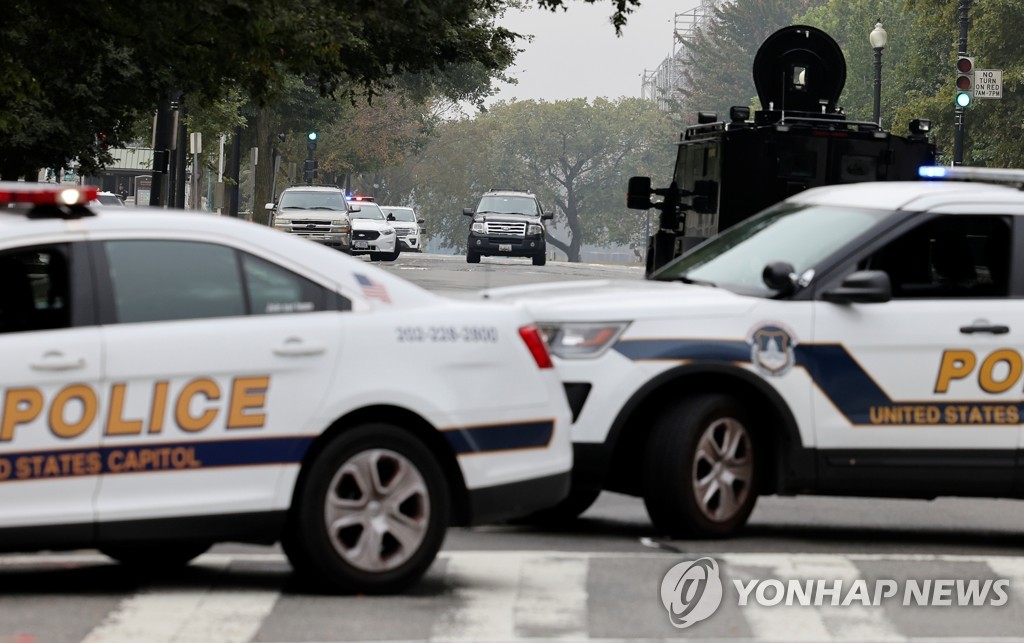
(99, 72)
(575, 155)
(718, 62)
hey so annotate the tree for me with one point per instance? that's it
(99, 72)
(718, 63)
(575, 155)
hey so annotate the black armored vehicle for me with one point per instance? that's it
(727, 170)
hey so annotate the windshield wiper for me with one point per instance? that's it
(324, 207)
(699, 282)
(294, 207)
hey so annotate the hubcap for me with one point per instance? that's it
(377, 510)
(723, 469)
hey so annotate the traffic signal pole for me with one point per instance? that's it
(959, 126)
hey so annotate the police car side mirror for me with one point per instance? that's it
(861, 287)
(638, 193)
(269, 206)
(780, 276)
(421, 221)
(467, 211)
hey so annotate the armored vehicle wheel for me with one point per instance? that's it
(540, 260)
(472, 257)
(700, 468)
(370, 514)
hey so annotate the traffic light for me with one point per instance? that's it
(964, 81)
(309, 170)
(311, 141)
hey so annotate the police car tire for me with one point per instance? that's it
(156, 555)
(375, 256)
(306, 541)
(540, 260)
(669, 466)
(472, 257)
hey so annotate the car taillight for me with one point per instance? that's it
(534, 342)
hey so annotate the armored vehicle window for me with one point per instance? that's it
(951, 256)
(801, 235)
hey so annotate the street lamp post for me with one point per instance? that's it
(878, 39)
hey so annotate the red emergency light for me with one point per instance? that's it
(43, 194)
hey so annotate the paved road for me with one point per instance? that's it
(596, 579)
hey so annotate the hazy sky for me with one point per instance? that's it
(575, 53)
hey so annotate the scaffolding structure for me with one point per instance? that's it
(664, 83)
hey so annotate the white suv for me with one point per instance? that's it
(861, 339)
(174, 380)
(406, 225)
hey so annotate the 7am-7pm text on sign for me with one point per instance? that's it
(988, 83)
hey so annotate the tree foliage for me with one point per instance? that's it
(575, 155)
(718, 62)
(99, 69)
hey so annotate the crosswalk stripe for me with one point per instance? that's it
(539, 596)
(186, 616)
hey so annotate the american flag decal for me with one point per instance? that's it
(372, 289)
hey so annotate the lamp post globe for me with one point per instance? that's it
(878, 39)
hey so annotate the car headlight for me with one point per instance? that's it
(533, 230)
(581, 340)
(387, 231)
(478, 227)
(339, 226)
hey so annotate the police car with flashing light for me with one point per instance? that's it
(861, 339)
(372, 233)
(175, 380)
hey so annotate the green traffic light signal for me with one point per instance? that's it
(963, 99)
(312, 136)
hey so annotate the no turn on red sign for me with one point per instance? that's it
(988, 83)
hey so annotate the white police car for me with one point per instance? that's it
(172, 380)
(863, 339)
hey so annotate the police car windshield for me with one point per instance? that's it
(508, 205)
(312, 201)
(401, 214)
(802, 235)
(367, 211)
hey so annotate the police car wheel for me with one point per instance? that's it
(155, 555)
(472, 257)
(371, 514)
(700, 468)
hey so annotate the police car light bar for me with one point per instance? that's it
(43, 194)
(983, 174)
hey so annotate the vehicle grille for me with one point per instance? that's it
(365, 234)
(507, 228)
(310, 225)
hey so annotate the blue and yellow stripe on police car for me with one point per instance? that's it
(840, 378)
(491, 438)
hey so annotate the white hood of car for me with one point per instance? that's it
(370, 224)
(620, 299)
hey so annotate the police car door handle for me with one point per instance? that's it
(984, 327)
(295, 347)
(56, 361)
